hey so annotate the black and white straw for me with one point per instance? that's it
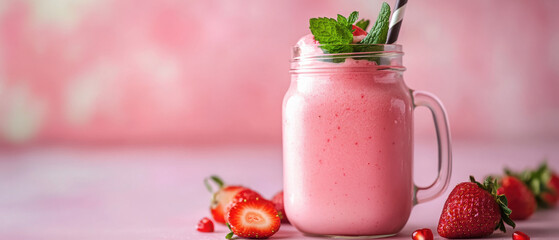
(396, 21)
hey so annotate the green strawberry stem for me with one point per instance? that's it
(230, 234)
(217, 181)
(490, 185)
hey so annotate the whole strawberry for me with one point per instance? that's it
(543, 183)
(474, 210)
(520, 199)
(278, 201)
(551, 198)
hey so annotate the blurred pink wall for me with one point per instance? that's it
(214, 72)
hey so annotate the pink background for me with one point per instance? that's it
(214, 72)
(210, 75)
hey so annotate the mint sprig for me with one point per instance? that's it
(379, 32)
(348, 22)
(334, 35)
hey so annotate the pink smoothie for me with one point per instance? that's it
(348, 150)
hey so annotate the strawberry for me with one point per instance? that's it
(221, 198)
(243, 196)
(205, 225)
(542, 182)
(474, 210)
(357, 31)
(253, 219)
(358, 34)
(422, 234)
(278, 202)
(518, 235)
(552, 196)
(520, 199)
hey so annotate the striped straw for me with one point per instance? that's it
(396, 21)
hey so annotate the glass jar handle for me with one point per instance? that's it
(423, 194)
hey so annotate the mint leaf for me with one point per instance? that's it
(363, 24)
(342, 20)
(348, 22)
(332, 35)
(352, 18)
(379, 32)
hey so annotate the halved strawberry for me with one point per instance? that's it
(221, 198)
(253, 219)
(243, 196)
(278, 202)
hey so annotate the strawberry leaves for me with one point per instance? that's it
(216, 180)
(490, 185)
(230, 234)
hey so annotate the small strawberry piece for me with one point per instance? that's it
(474, 210)
(253, 219)
(278, 202)
(358, 34)
(518, 235)
(520, 199)
(357, 31)
(205, 225)
(551, 198)
(422, 234)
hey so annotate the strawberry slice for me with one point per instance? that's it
(358, 34)
(243, 196)
(221, 198)
(253, 219)
(357, 31)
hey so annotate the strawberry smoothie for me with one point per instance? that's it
(347, 138)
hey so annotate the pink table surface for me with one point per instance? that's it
(157, 193)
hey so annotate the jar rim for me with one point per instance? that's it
(368, 49)
(382, 57)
